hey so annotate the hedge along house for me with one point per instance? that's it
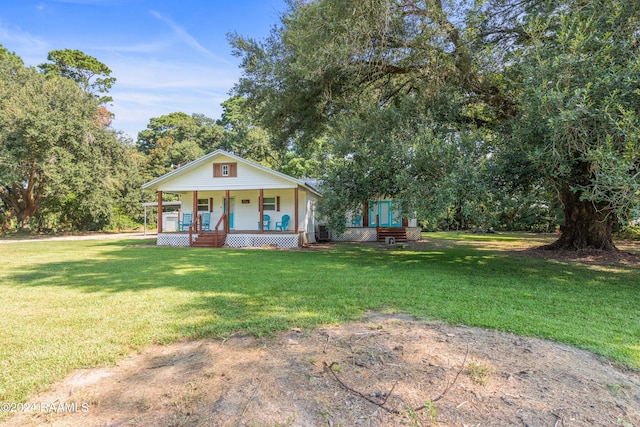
(223, 197)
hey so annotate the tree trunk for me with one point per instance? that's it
(22, 200)
(588, 225)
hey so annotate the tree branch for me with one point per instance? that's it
(329, 368)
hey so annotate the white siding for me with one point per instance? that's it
(201, 178)
(246, 215)
(310, 219)
(251, 178)
(307, 207)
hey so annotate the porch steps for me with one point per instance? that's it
(207, 240)
(399, 233)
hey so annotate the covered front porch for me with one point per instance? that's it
(227, 200)
(213, 218)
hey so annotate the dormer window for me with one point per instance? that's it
(225, 170)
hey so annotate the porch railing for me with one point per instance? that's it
(193, 228)
(220, 221)
(196, 227)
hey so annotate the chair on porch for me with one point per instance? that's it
(206, 221)
(266, 222)
(187, 219)
(356, 222)
(282, 225)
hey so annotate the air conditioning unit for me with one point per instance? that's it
(323, 234)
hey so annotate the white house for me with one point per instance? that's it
(223, 197)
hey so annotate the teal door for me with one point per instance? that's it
(384, 212)
(373, 214)
(395, 215)
(389, 212)
(232, 203)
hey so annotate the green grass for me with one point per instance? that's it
(79, 304)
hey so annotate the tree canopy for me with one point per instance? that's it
(579, 101)
(59, 165)
(175, 139)
(92, 75)
(467, 104)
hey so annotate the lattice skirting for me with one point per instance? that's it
(238, 240)
(369, 234)
(414, 233)
(356, 235)
(261, 240)
(168, 239)
(282, 240)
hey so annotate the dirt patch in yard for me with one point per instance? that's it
(390, 370)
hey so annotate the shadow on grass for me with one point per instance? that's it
(204, 292)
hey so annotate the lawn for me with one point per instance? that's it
(78, 304)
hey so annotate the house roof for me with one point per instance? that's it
(156, 183)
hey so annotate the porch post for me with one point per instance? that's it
(261, 210)
(365, 214)
(195, 204)
(180, 207)
(227, 219)
(295, 207)
(159, 212)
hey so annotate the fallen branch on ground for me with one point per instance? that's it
(329, 368)
(255, 390)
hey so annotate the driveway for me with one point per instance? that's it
(88, 236)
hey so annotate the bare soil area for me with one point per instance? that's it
(387, 371)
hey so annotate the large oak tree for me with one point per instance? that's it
(56, 157)
(545, 92)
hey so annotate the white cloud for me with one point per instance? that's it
(185, 37)
(133, 110)
(152, 74)
(143, 48)
(25, 45)
(151, 89)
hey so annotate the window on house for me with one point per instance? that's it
(203, 205)
(225, 170)
(269, 204)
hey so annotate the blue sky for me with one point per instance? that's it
(166, 55)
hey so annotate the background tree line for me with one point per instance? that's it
(62, 166)
(512, 114)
